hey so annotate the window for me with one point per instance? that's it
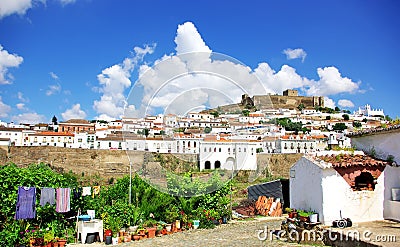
(205, 149)
(109, 144)
(229, 150)
(52, 139)
(217, 164)
(219, 150)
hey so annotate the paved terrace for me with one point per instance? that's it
(245, 233)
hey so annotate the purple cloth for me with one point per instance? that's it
(26, 202)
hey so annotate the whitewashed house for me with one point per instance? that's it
(227, 154)
(84, 140)
(14, 135)
(296, 144)
(49, 138)
(350, 184)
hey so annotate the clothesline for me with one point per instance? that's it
(26, 199)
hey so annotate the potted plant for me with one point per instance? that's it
(48, 238)
(115, 225)
(304, 216)
(291, 213)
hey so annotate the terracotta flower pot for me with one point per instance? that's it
(136, 237)
(61, 242)
(151, 232)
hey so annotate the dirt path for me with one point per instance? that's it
(236, 233)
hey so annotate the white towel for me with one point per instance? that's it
(86, 191)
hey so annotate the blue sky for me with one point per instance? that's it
(79, 59)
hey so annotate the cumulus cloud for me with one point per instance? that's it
(4, 109)
(345, 103)
(295, 53)
(331, 82)
(9, 7)
(31, 118)
(20, 7)
(74, 112)
(114, 81)
(53, 89)
(188, 39)
(328, 102)
(196, 78)
(7, 61)
(277, 82)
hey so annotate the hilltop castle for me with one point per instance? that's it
(290, 100)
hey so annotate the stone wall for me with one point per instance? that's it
(279, 101)
(115, 163)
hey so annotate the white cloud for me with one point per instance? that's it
(21, 106)
(7, 60)
(294, 54)
(54, 75)
(65, 2)
(329, 103)
(53, 89)
(277, 82)
(188, 39)
(21, 97)
(331, 82)
(9, 7)
(31, 118)
(74, 112)
(345, 103)
(4, 109)
(114, 81)
(195, 78)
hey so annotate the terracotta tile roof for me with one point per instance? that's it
(348, 160)
(50, 133)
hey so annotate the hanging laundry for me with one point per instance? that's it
(77, 193)
(86, 191)
(47, 195)
(63, 200)
(96, 190)
(26, 203)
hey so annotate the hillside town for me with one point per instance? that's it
(298, 125)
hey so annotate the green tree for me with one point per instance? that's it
(328, 118)
(246, 113)
(388, 118)
(346, 117)
(207, 130)
(146, 132)
(357, 124)
(301, 107)
(215, 113)
(339, 127)
(337, 109)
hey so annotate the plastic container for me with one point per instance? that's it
(90, 238)
(196, 224)
(84, 217)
